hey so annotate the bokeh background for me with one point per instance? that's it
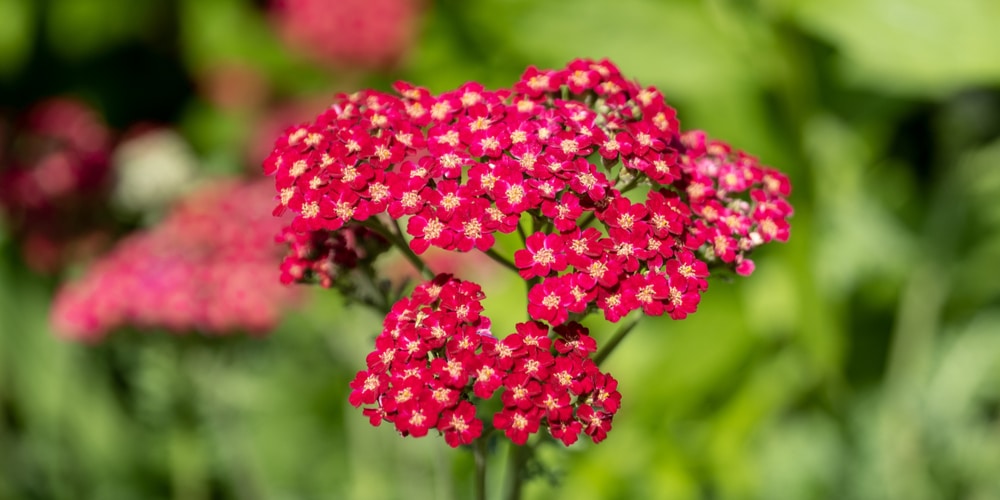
(861, 360)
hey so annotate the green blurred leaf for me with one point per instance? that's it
(17, 29)
(962, 401)
(979, 173)
(678, 46)
(799, 457)
(859, 237)
(928, 47)
(81, 28)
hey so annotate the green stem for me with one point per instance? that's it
(399, 242)
(493, 254)
(380, 300)
(632, 183)
(588, 219)
(479, 453)
(616, 339)
(397, 228)
(515, 470)
(520, 232)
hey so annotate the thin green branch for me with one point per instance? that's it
(521, 233)
(617, 338)
(479, 454)
(399, 242)
(397, 228)
(493, 254)
(638, 176)
(515, 470)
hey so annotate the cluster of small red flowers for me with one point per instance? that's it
(54, 177)
(626, 212)
(365, 34)
(199, 270)
(554, 385)
(436, 356)
(469, 163)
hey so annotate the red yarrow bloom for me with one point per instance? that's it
(548, 301)
(460, 425)
(596, 424)
(516, 424)
(618, 210)
(542, 255)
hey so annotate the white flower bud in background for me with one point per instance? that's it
(153, 169)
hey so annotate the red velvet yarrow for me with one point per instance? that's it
(621, 211)
(200, 270)
(436, 360)
(566, 147)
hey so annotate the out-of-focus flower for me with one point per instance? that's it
(209, 267)
(54, 179)
(153, 168)
(363, 34)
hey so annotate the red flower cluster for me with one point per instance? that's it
(468, 163)
(54, 179)
(367, 34)
(436, 356)
(199, 270)
(618, 209)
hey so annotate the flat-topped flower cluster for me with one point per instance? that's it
(436, 353)
(617, 208)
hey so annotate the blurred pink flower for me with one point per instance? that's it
(362, 34)
(210, 267)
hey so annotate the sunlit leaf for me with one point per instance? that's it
(16, 32)
(928, 47)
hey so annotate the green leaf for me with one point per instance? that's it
(921, 47)
(684, 48)
(16, 31)
(78, 29)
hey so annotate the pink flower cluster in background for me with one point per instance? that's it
(363, 34)
(556, 386)
(618, 209)
(204, 268)
(54, 178)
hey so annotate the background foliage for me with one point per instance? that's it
(861, 360)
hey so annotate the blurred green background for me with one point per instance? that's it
(861, 360)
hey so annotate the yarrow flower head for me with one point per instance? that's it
(199, 270)
(618, 209)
